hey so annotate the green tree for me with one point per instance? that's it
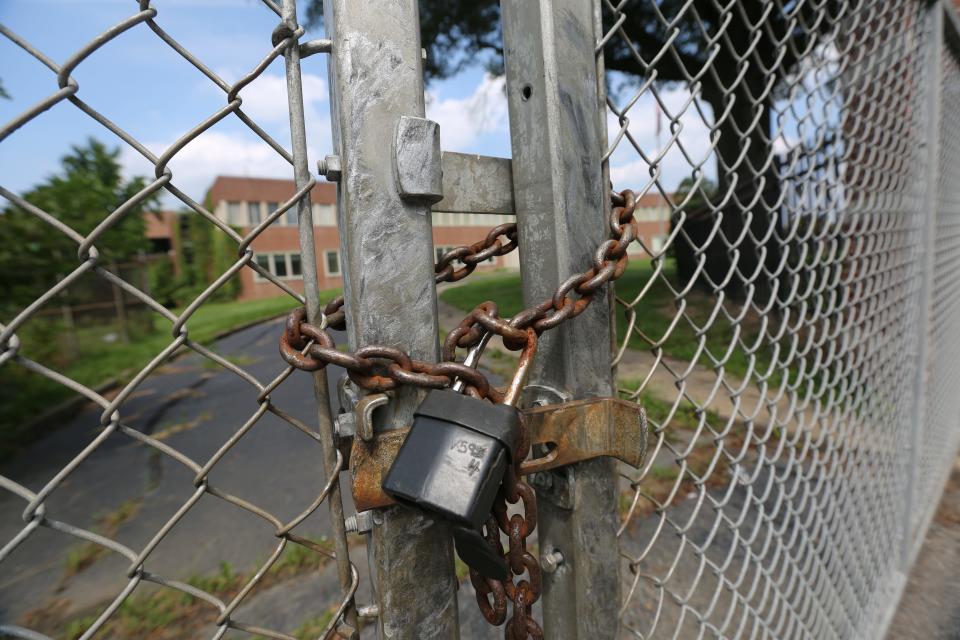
(744, 60)
(693, 195)
(90, 186)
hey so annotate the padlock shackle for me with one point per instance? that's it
(512, 394)
(472, 360)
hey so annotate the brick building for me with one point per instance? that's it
(158, 227)
(244, 202)
(653, 216)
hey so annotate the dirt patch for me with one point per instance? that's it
(930, 606)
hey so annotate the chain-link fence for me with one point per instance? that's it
(790, 337)
(180, 573)
(791, 420)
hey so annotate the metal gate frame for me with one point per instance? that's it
(376, 79)
(557, 103)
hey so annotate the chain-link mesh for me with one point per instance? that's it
(939, 434)
(773, 336)
(186, 515)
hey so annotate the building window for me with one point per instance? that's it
(235, 213)
(658, 243)
(333, 263)
(254, 212)
(290, 216)
(271, 207)
(280, 265)
(324, 215)
(285, 266)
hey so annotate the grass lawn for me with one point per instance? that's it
(656, 312)
(25, 395)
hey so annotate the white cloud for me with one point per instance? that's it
(231, 149)
(628, 169)
(463, 120)
(265, 99)
(213, 153)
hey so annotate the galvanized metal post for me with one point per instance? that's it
(558, 137)
(934, 43)
(308, 262)
(376, 77)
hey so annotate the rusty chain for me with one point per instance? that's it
(381, 368)
(469, 256)
(310, 347)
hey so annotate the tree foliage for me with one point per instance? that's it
(694, 33)
(733, 55)
(90, 186)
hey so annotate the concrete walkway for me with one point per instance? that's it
(930, 606)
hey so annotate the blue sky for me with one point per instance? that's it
(149, 90)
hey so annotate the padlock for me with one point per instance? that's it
(453, 462)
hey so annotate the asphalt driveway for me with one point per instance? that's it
(194, 406)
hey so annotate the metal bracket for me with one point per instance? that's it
(417, 166)
(363, 414)
(356, 421)
(570, 432)
(476, 184)
(586, 429)
(347, 393)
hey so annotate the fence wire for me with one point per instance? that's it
(773, 503)
(939, 433)
(46, 506)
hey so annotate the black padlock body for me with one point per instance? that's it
(454, 458)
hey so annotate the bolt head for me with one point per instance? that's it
(330, 168)
(347, 631)
(346, 425)
(541, 480)
(550, 561)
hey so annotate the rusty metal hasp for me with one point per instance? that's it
(568, 432)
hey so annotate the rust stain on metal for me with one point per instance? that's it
(586, 429)
(369, 462)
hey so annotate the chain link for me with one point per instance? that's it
(381, 368)
(469, 257)
(310, 347)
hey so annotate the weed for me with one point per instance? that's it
(25, 395)
(170, 614)
(82, 556)
(665, 474)
(172, 429)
